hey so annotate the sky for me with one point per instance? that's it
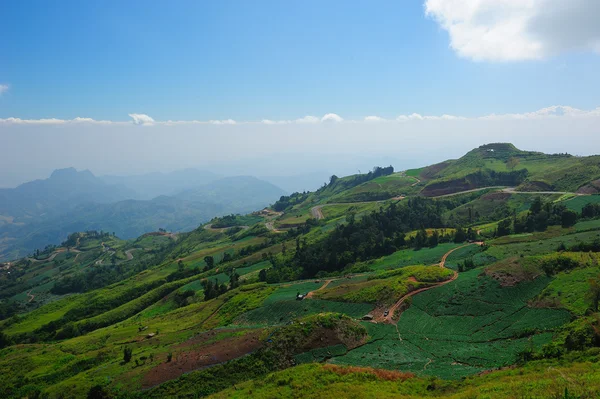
(273, 87)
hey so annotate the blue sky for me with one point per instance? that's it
(288, 87)
(250, 60)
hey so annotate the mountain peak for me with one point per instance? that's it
(70, 173)
(501, 151)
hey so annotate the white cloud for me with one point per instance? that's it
(411, 117)
(56, 121)
(3, 89)
(374, 118)
(308, 119)
(555, 111)
(272, 122)
(515, 30)
(332, 118)
(223, 122)
(141, 119)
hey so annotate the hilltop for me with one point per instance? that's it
(503, 164)
(475, 277)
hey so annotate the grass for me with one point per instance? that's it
(537, 244)
(381, 188)
(577, 203)
(387, 287)
(282, 312)
(460, 255)
(406, 257)
(538, 380)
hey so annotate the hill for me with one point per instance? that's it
(366, 287)
(502, 164)
(46, 212)
(152, 185)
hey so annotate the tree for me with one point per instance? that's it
(262, 275)
(503, 228)
(234, 280)
(512, 163)
(434, 239)
(420, 239)
(4, 340)
(594, 293)
(536, 206)
(127, 353)
(568, 218)
(98, 392)
(180, 266)
(210, 261)
(460, 235)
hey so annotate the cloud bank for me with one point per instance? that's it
(280, 147)
(555, 111)
(3, 89)
(516, 30)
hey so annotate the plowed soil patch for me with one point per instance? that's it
(204, 354)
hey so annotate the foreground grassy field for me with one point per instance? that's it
(539, 380)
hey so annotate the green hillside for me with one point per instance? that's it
(502, 164)
(376, 285)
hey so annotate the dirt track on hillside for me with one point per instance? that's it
(317, 211)
(310, 294)
(389, 318)
(31, 296)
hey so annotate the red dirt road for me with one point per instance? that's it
(310, 294)
(394, 308)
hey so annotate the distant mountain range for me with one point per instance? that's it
(151, 185)
(44, 212)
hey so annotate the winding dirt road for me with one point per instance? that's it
(129, 254)
(389, 318)
(31, 296)
(509, 190)
(310, 294)
(317, 211)
(54, 254)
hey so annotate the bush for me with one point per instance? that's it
(98, 392)
(127, 353)
(558, 264)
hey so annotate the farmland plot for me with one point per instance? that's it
(462, 328)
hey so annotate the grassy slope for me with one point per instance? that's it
(563, 173)
(537, 380)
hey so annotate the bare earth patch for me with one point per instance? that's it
(205, 353)
(511, 272)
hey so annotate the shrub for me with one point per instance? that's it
(127, 353)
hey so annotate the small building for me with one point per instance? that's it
(300, 297)
(368, 317)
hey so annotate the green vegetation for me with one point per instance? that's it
(290, 302)
(385, 288)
